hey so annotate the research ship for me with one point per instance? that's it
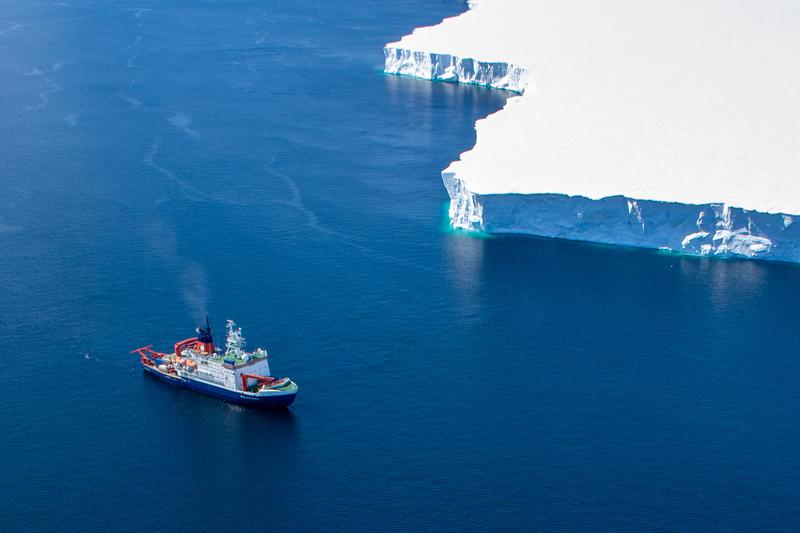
(235, 374)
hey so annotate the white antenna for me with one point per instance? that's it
(234, 343)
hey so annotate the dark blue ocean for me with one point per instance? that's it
(163, 159)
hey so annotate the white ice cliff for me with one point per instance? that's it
(656, 123)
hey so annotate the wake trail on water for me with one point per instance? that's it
(149, 160)
(183, 123)
(138, 14)
(129, 64)
(180, 121)
(44, 96)
(135, 42)
(296, 202)
(312, 221)
(192, 278)
(72, 119)
(14, 26)
(18, 25)
(134, 102)
(194, 193)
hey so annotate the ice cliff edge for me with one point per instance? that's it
(660, 124)
(411, 56)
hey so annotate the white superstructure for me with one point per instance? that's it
(224, 369)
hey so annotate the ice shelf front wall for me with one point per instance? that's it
(660, 123)
(446, 67)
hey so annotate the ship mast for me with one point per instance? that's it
(234, 343)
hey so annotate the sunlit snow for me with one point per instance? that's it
(687, 110)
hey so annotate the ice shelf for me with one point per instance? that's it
(657, 123)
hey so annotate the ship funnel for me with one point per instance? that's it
(205, 342)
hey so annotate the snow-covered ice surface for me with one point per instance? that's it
(656, 123)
